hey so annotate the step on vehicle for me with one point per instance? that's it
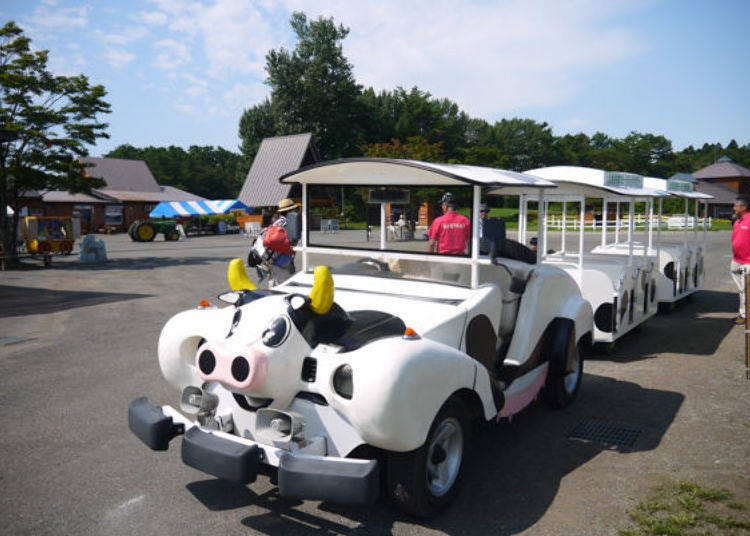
(360, 377)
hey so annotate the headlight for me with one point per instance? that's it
(276, 332)
(342, 381)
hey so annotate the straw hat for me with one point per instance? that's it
(286, 205)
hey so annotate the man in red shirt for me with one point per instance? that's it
(450, 232)
(741, 250)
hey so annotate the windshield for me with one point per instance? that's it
(390, 218)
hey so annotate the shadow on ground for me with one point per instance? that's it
(21, 301)
(696, 326)
(141, 263)
(512, 476)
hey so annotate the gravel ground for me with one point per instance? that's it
(78, 342)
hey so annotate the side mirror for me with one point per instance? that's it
(232, 297)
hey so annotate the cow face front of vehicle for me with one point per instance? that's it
(268, 368)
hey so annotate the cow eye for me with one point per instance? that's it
(276, 332)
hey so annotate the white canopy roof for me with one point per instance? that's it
(596, 182)
(676, 187)
(391, 172)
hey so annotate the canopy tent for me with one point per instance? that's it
(171, 209)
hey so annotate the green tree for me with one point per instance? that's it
(53, 119)
(211, 172)
(415, 148)
(312, 90)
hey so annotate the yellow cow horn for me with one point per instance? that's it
(321, 295)
(237, 276)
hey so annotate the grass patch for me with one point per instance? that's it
(686, 508)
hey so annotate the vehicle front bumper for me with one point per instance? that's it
(301, 476)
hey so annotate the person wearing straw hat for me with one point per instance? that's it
(288, 209)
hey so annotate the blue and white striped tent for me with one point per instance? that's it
(171, 209)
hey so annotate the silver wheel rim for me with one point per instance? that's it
(571, 377)
(444, 456)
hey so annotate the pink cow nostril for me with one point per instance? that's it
(240, 368)
(206, 362)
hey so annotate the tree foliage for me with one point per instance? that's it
(53, 119)
(312, 90)
(210, 172)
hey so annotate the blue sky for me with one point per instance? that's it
(181, 72)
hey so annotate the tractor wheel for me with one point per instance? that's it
(145, 232)
(565, 371)
(172, 235)
(424, 481)
(43, 247)
(66, 247)
(131, 230)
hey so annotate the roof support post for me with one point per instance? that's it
(580, 237)
(631, 228)
(685, 224)
(476, 198)
(541, 225)
(305, 230)
(604, 221)
(564, 225)
(658, 235)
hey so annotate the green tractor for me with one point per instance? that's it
(146, 230)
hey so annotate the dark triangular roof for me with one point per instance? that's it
(276, 157)
(724, 168)
(121, 174)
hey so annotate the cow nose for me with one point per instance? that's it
(240, 369)
(207, 362)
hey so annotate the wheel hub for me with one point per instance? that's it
(444, 457)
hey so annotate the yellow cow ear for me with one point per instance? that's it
(237, 276)
(321, 295)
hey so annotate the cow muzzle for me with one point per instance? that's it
(239, 369)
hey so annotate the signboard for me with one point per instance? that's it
(620, 179)
(396, 196)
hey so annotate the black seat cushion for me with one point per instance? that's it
(368, 326)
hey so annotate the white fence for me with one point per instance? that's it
(555, 222)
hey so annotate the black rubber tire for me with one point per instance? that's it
(131, 230)
(565, 370)
(407, 478)
(172, 236)
(145, 232)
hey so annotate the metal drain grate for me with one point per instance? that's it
(606, 433)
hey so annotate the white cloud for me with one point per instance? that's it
(153, 18)
(171, 54)
(490, 57)
(50, 16)
(118, 58)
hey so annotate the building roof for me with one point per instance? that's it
(276, 157)
(165, 193)
(722, 194)
(723, 169)
(121, 174)
(62, 196)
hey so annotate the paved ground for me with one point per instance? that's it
(77, 343)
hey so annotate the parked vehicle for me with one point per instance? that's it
(620, 281)
(48, 234)
(146, 230)
(363, 378)
(680, 263)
